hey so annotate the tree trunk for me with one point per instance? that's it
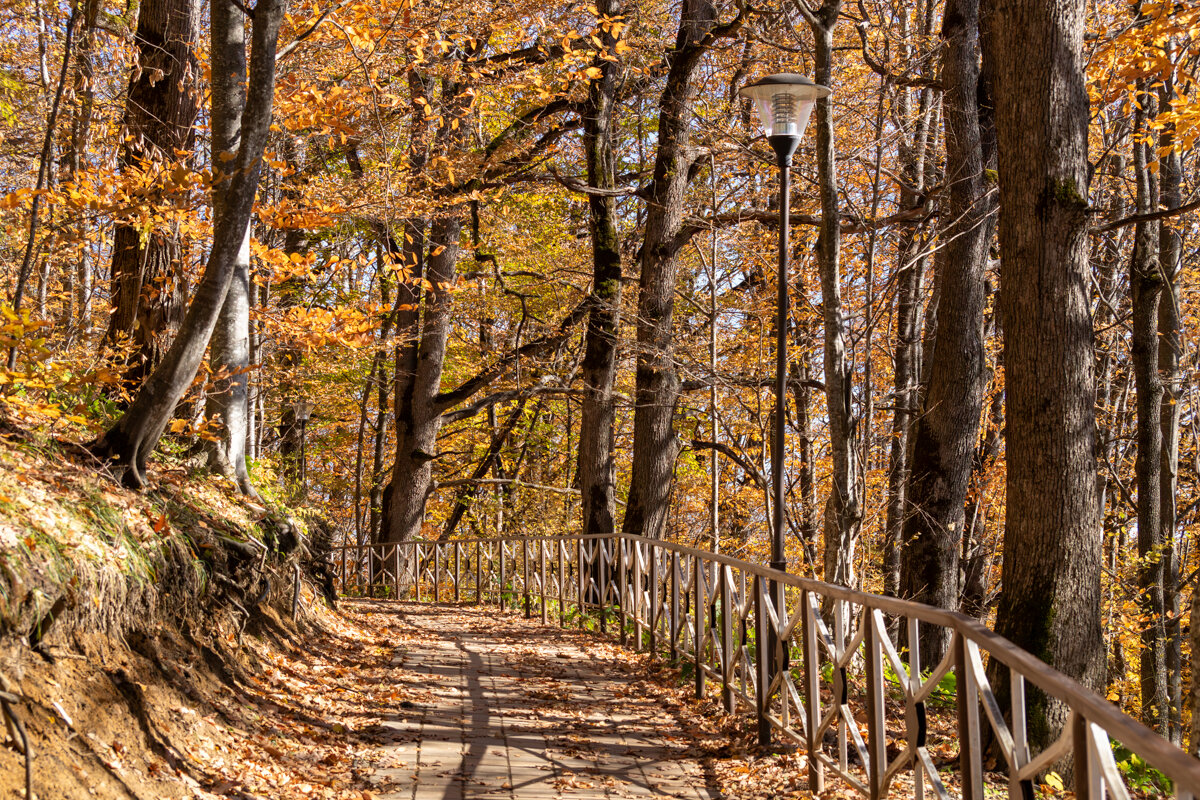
(147, 286)
(948, 427)
(597, 478)
(228, 403)
(1170, 352)
(843, 509)
(1050, 600)
(1145, 285)
(657, 384)
(418, 379)
(237, 115)
(910, 274)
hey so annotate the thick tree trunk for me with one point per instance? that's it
(147, 286)
(657, 384)
(237, 115)
(948, 427)
(418, 380)
(596, 470)
(1145, 285)
(1050, 600)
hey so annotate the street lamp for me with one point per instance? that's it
(783, 102)
(302, 409)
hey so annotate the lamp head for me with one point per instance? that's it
(303, 410)
(784, 102)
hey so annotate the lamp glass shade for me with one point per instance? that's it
(303, 410)
(784, 102)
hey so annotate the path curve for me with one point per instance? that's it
(514, 709)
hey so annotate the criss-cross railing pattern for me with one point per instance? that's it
(816, 663)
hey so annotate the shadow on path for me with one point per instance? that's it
(519, 710)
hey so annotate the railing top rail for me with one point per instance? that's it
(1172, 761)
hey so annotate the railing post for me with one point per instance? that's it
(701, 626)
(726, 637)
(500, 590)
(457, 571)
(1086, 770)
(969, 740)
(876, 729)
(674, 606)
(396, 573)
(525, 577)
(812, 691)
(604, 565)
(370, 571)
(437, 573)
(580, 580)
(622, 568)
(416, 571)
(639, 596)
(478, 572)
(915, 734)
(542, 586)
(655, 606)
(561, 547)
(762, 659)
(1019, 733)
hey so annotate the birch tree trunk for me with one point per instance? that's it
(228, 402)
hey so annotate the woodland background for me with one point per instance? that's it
(520, 257)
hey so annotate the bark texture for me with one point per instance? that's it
(1050, 598)
(228, 404)
(843, 509)
(597, 479)
(147, 285)
(1145, 286)
(948, 427)
(655, 445)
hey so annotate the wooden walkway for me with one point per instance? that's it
(520, 710)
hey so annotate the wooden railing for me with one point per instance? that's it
(710, 613)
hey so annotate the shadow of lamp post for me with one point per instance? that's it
(783, 104)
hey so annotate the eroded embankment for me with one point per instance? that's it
(148, 646)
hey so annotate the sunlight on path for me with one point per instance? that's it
(517, 710)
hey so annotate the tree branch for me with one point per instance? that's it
(447, 400)
(734, 456)
(1133, 219)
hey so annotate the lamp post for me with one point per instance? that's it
(302, 409)
(783, 103)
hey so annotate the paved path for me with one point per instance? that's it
(517, 710)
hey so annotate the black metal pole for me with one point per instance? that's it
(784, 147)
(784, 152)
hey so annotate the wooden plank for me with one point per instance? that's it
(970, 746)
(674, 608)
